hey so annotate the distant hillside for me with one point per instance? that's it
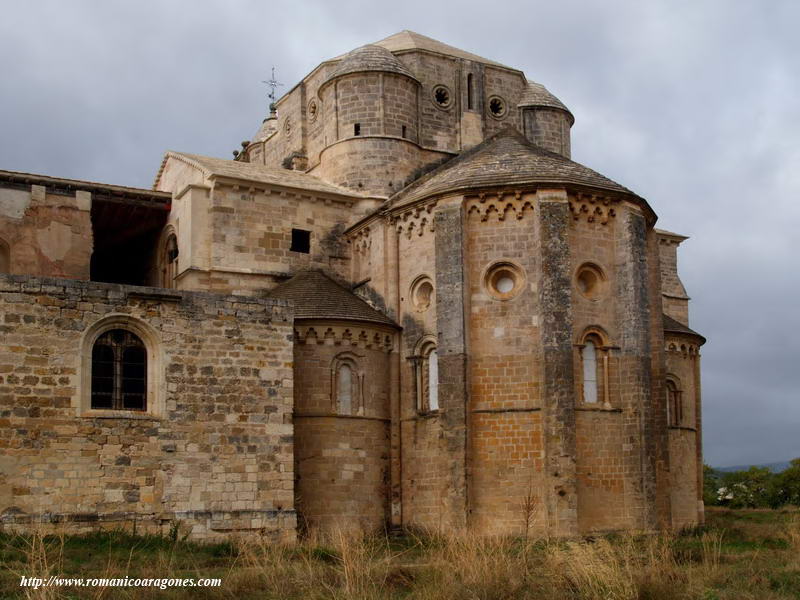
(775, 467)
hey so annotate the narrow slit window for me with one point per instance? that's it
(119, 372)
(170, 268)
(470, 93)
(5, 258)
(589, 373)
(674, 404)
(433, 381)
(357, 129)
(301, 241)
(345, 390)
(403, 134)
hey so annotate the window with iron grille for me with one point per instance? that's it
(119, 371)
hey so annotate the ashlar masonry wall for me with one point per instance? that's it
(214, 450)
(45, 233)
(342, 451)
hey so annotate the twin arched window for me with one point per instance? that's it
(119, 372)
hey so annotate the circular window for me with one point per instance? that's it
(590, 281)
(313, 109)
(442, 96)
(422, 293)
(497, 107)
(504, 280)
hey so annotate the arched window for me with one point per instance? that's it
(595, 368)
(674, 403)
(5, 258)
(589, 372)
(344, 391)
(119, 372)
(346, 384)
(426, 366)
(169, 268)
(433, 380)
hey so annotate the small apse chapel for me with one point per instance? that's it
(400, 304)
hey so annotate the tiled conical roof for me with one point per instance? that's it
(673, 326)
(370, 58)
(538, 95)
(317, 296)
(504, 159)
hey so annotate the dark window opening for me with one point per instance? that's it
(470, 93)
(404, 131)
(357, 129)
(169, 270)
(5, 258)
(497, 106)
(172, 249)
(301, 241)
(127, 247)
(119, 372)
(442, 96)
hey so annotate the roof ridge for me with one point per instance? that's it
(212, 166)
(428, 44)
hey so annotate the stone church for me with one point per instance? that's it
(400, 304)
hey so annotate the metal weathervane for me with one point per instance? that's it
(273, 84)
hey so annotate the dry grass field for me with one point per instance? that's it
(744, 554)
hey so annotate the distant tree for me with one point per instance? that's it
(753, 488)
(785, 488)
(711, 485)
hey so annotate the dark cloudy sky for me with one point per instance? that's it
(695, 105)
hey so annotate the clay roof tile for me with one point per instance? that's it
(370, 58)
(673, 326)
(505, 159)
(317, 296)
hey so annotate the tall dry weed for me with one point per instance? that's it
(44, 557)
(791, 534)
(711, 552)
(626, 568)
(466, 565)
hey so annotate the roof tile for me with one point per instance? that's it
(317, 296)
(504, 159)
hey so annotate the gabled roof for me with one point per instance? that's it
(232, 169)
(673, 326)
(317, 296)
(504, 159)
(406, 41)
